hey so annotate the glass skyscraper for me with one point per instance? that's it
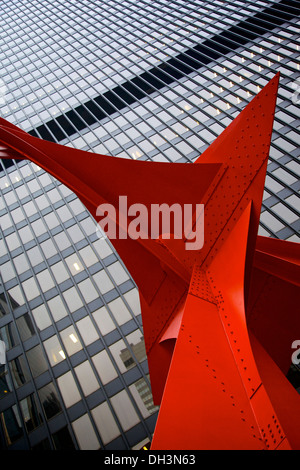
(157, 81)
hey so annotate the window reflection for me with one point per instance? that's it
(143, 397)
(4, 309)
(50, 400)
(62, 439)
(11, 424)
(54, 350)
(8, 334)
(71, 340)
(30, 412)
(37, 361)
(19, 371)
(25, 327)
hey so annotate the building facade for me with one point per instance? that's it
(145, 80)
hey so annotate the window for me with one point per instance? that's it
(118, 272)
(75, 233)
(103, 320)
(124, 410)
(21, 264)
(104, 367)
(74, 264)
(85, 434)
(25, 327)
(88, 291)
(8, 334)
(30, 412)
(105, 423)
(54, 350)
(143, 397)
(103, 282)
(62, 241)
(57, 308)
(87, 330)
(121, 355)
(60, 272)
(11, 421)
(30, 288)
(48, 248)
(72, 299)
(7, 271)
(119, 311)
(19, 371)
(70, 340)
(41, 317)
(68, 389)
(86, 378)
(37, 361)
(34, 256)
(88, 256)
(102, 247)
(50, 400)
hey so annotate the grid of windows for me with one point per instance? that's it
(134, 80)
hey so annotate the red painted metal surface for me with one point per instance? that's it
(218, 322)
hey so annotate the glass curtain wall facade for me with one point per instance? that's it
(157, 81)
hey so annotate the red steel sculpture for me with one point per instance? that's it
(219, 322)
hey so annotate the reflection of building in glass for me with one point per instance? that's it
(127, 355)
(160, 87)
(138, 350)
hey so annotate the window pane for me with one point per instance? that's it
(87, 378)
(45, 280)
(103, 282)
(124, 410)
(31, 288)
(57, 308)
(50, 400)
(70, 340)
(21, 264)
(103, 320)
(19, 371)
(88, 256)
(105, 423)
(8, 334)
(54, 350)
(68, 389)
(25, 327)
(87, 330)
(119, 311)
(60, 272)
(73, 300)
(37, 361)
(62, 439)
(11, 421)
(41, 317)
(35, 256)
(85, 434)
(104, 367)
(74, 264)
(31, 415)
(137, 344)
(88, 291)
(122, 356)
(143, 397)
(118, 272)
